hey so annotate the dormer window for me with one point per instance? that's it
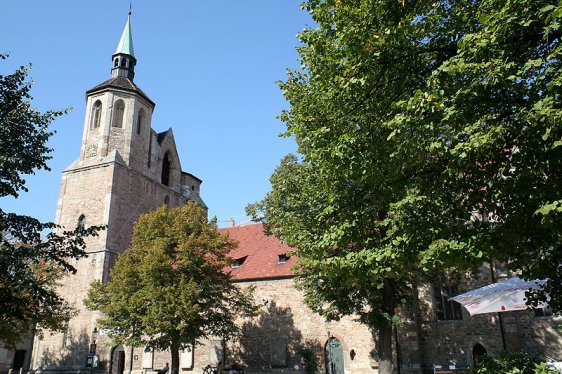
(283, 258)
(238, 262)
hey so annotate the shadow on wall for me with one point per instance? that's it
(542, 336)
(273, 341)
(72, 352)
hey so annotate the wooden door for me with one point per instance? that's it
(334, 357)
(118, 360)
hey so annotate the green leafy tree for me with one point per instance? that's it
(429, 136)
(170, 289)
(30, 264)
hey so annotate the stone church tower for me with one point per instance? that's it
(124, 169)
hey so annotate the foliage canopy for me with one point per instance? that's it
(170, 289)
(30, 265)
(430, 137)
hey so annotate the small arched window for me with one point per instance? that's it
(166, 166)
(140, 119)
(81, 221)
(123, 62)
(116, 63)
(96, 115)
(118, 113)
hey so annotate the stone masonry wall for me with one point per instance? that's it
(423, 340)
(133, 195)
(452, 341)
(283, 319)
(284, 315)
(78, 196)
(539, 336)
(106, 194)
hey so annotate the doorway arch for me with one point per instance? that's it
(478, 353)
(117, 363)
(333, 352)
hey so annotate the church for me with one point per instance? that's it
(126, 169)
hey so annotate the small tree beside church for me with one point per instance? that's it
(170, 289)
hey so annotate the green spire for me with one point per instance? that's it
(126, 43)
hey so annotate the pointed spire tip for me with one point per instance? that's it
(125, 45)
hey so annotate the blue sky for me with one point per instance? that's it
(210, 66)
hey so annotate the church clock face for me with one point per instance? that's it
(92, 151)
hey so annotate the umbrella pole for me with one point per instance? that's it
(500, 320)
(502, 331)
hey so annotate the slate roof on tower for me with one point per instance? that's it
(123, 83)
(258, 256)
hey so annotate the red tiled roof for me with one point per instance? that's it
(261, 253)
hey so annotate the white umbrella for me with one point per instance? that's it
(503, 296)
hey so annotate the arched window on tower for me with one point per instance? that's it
(96, 115)
(116, 63)
(81, 221)
(118, 113)
(123, 62)
(140, 119)
(166, 166)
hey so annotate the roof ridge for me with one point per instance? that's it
(241, 226)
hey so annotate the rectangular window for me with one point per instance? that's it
(446, 310)
(186, 358)
(147, 358)
(65, 335)
(217, 352)
(278, 351)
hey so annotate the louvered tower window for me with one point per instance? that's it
(118, 113)
(96, 115)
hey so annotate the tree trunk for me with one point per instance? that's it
(385, 350)
(175, 352)
(385, 332)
